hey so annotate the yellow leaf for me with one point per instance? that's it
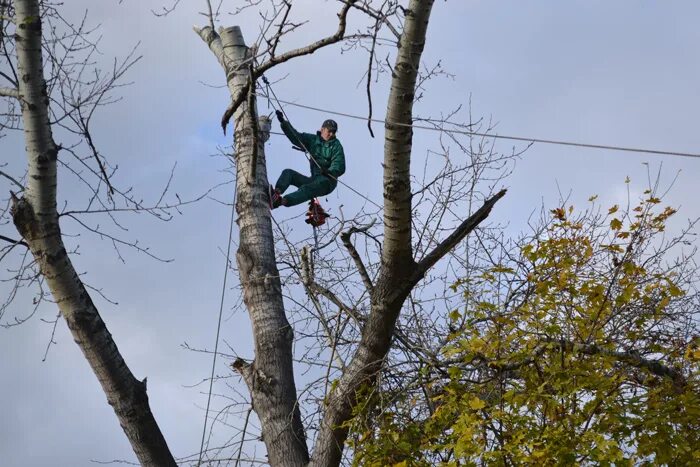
(675, 291)
(616, 224)
(559, 213)
(401, 464)
(477, 404)
(613, 209)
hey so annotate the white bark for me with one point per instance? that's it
(36, 219)
(270, 377)
(394, 282)
(9, 92)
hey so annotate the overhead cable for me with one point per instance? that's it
(497, 136)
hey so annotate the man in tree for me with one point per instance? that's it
(327, 162)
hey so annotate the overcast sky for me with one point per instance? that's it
(614, 73)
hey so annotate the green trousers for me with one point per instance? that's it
(308, 187)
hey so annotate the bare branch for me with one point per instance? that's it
(3, 174)
(9, 92)
(458, 235)
(311, 48)
(378, 15)
(369, 79)
(210, 15)
(345, 237)
(273, 47)
(95, 153)
(13, 241)
(273, 61)
(316, 288)
(8, 78)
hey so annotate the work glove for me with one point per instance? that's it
(280, 115)
(325, 172)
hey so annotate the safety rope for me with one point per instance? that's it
(315, 239)
(221, 310)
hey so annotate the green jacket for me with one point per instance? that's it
(328, 154)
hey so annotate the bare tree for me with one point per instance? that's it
(270, 376)
(65, 100)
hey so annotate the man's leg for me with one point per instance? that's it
(318, 186)
(291, 177)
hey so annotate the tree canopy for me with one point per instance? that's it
(580, 345)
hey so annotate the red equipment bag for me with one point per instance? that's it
(316, 215)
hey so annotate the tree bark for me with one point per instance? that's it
(393, 284)
(270, 377)
(36, 219)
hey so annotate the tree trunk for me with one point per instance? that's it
(394, 281)
(270, 377)
(36, 218)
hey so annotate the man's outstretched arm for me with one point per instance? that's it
(298, 139)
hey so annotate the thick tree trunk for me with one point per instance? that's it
(394, 282)
(36, 219)
(270, 377)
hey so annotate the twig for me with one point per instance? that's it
(21, 187)
(369, 78)
(53, 334)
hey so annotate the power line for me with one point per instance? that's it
(496, 136)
